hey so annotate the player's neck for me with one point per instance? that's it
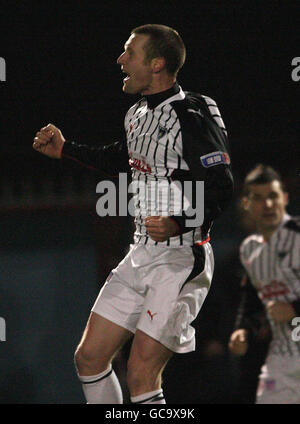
(160, 84)
(267, 233)
(154, 100)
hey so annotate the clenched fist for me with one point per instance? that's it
(238, 342)
(49, 141)
(160, 228)
(280, 312)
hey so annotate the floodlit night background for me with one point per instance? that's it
(55, 252)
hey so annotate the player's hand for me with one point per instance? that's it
(49, 141)
(280, 312)
(238, 344)
(160, 228)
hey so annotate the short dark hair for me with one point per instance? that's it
(261, 174)
(163, 42)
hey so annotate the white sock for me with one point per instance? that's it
(102, 388)
(151, 397)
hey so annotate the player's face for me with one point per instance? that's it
(133, 63)
(266, 204)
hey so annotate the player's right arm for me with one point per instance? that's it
(111, 159)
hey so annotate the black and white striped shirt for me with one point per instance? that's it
(274, 271)
(169, 140)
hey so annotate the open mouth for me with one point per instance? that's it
(127, 77)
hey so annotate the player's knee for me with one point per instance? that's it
(82, 356)
(85, 358)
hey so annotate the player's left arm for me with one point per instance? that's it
(205, 150)
(251, 313)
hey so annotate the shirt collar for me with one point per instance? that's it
(154, 100)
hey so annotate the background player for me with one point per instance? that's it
(159, 287)
(272, 261)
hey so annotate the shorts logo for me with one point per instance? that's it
(150, 314)
(215, 158)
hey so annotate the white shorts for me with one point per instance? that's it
(279, 381)
(159, 291)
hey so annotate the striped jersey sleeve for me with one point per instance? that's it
(205, 150)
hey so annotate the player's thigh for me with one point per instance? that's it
(148, 353)
(102, 338)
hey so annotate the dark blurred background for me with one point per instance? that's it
(55, 252)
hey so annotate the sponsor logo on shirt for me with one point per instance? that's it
(215, 158)
(275, 288)
(139, 164)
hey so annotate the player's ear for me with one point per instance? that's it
(158, 64)
(286, 198)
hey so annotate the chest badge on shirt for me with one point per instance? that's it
(161, 132)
